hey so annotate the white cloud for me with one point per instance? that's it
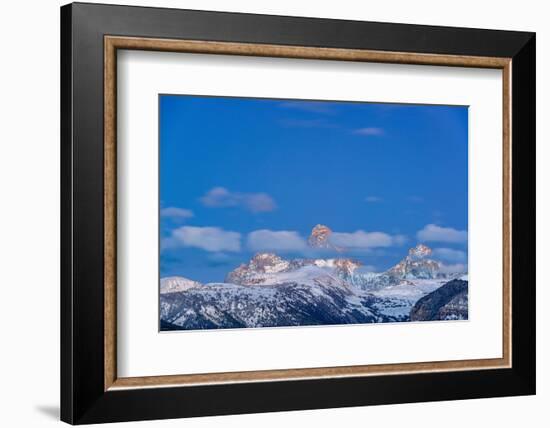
(449, 254)
(365, 240)
(176, 213)
(373, 199)
(255, 202)
(369, 132)
(399, 239)
(454, 268)
(284, 240)
(432, 232)
(280, 240)
(211, 239)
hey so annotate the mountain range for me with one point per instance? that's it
(271, 291)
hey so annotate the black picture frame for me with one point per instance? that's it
(83, 398)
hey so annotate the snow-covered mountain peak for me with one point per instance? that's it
(268, 269)
(420, 251)
(175, 284)
(417, 265)
(268, 263)
(262, 263)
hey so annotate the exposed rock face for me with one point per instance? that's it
(175, 284)
(448, 302)
(419, 252)
(346, 267)
(263, 267)
(252, 272)
(268, 263)
(416, 265)
(320, 238)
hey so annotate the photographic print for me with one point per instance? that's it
(287, 213)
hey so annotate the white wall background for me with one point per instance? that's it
(29, 218)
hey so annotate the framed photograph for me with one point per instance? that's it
(266, 213)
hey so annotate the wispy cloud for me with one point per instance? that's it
(219, 197)
(280, 240)
(176, 213)
(213, 239)
(319, 107)
(365, 240)
(291, 241)
(432, 232)
(415, 199)
(369, 132)
(373, 199)
(449, 254)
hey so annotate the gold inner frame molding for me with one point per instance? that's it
(113, 43)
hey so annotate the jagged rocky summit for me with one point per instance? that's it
(320, 239)
(417, 264)
(266, 269)
(271, 291)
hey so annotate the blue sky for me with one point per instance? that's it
(241, 175)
